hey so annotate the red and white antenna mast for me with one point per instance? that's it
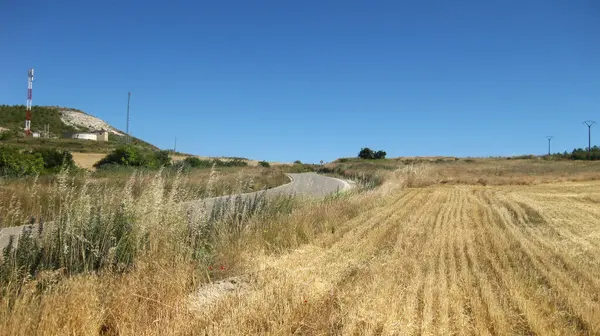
(28, 113)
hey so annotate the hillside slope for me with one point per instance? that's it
(60, 120)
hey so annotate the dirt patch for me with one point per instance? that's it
(87, 160)
(211, 293)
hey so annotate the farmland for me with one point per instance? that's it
(492, 247)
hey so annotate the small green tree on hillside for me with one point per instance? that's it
(366, 153)
(369, 154)
(380, 154)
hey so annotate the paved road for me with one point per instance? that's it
(305, 184)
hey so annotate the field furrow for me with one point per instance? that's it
(453, 260)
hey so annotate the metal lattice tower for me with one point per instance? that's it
(29, 96)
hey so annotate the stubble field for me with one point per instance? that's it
(432, 251)
(438, 261)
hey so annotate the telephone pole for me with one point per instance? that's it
(175, 146)
(128, 139)
(589, 124)
(549, 137)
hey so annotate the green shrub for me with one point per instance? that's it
(236, 162)
(54, 160)
(369, 154)
(158, 159)
(583, 154)
(297, 162)
(124, 156)
(366, 153)
(195, 162)
(134, 156)
(264, 164)
(15, 163)
(380, 154)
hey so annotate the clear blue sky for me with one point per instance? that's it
(311, 80)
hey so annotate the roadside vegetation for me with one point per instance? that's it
(29, 179)
(15, 163)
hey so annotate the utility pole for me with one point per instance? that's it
(589, 124)
(127, 139)
(549, 137)
(175, 146)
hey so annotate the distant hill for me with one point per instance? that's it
(60, 120)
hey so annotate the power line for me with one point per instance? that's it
(549, 137)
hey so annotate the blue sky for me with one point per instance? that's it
(316, 80)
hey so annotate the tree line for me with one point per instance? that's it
(580, 154)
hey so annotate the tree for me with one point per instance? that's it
(264, 164)
(366, 153)
(369, 154)
(380, 154)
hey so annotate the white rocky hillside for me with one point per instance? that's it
(84, 121)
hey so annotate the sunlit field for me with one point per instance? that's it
(475, 248)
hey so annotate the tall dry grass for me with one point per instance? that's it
(35, 198)
(437, 259)
(135, 259)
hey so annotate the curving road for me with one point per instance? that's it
(304, 184)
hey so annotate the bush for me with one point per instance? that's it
(54, 160)
(366, 153)
(195, 162)
(15, 163)
(9, 134)
(135, 157)
(583, 154)
(297, 162)
(264, 164)
(380, 154)
(159, 159)
(369, 154)
(236, 162)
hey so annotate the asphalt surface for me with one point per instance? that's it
(305, 184)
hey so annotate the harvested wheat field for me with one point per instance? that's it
(440, 259)
(87, 160)
(436, 261)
